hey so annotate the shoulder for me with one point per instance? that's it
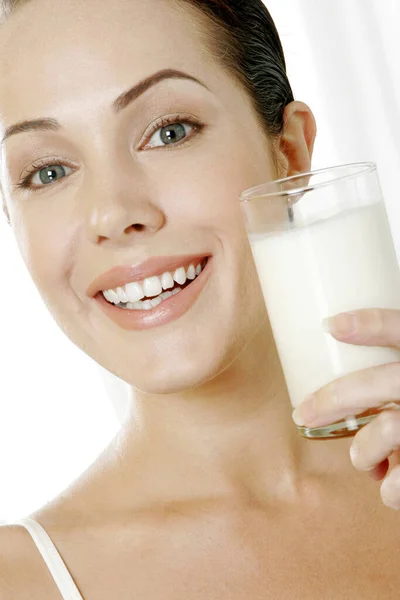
(23, 573)
(13, 544)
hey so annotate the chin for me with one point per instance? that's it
(177, 374)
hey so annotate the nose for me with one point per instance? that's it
(117, 213)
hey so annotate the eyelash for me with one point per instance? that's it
(24, 183)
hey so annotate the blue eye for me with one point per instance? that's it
(170, 134)
(49, 173)
(168, 131)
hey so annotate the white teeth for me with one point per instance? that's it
(167, 281)
(180, 276)
(150, 304)
(166, 295)
(191, 272)
(111, 296)
(122, 295)
(134, 292)
(152, 286)
(156, 301)
(135, 306)
(147, 305)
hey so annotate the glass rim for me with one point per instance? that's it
(363, 167)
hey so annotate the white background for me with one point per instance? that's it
(55, 410)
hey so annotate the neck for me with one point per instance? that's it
(232, 438)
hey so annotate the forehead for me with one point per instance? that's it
(52, 52)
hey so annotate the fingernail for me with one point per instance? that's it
(305, 413)
(343, 324)
(298, 418)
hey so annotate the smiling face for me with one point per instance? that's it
(126, 190)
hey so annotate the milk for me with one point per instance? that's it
(341, 263)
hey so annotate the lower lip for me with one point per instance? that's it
(166, 312)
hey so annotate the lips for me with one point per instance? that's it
(165, 313)
(156, 266)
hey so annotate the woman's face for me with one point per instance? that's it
(122, 193)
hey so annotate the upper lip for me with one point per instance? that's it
(155, 266)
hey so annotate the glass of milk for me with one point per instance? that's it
(322, 245)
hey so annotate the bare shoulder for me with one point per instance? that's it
(15, 571)
(23, 573)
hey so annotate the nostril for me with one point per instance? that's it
(138, 227)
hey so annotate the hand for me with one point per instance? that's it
(361, 391)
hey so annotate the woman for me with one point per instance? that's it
(208, 491)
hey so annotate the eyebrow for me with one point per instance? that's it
(45, 124)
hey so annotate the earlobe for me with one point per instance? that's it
(298, 138)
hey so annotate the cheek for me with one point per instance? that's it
(204, 190)
(203, 198)
(44, 247)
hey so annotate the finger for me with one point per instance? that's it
(352, 394)
(376, 441)
(390, 489)
(368, 327)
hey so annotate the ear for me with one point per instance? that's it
(296, 144)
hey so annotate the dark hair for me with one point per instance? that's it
(246, 40)
(243, 36)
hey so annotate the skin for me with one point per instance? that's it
(210, 420)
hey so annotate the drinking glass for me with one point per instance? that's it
(322, 245)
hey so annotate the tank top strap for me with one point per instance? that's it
(52, 558)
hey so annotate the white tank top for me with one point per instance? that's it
(51, 557)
